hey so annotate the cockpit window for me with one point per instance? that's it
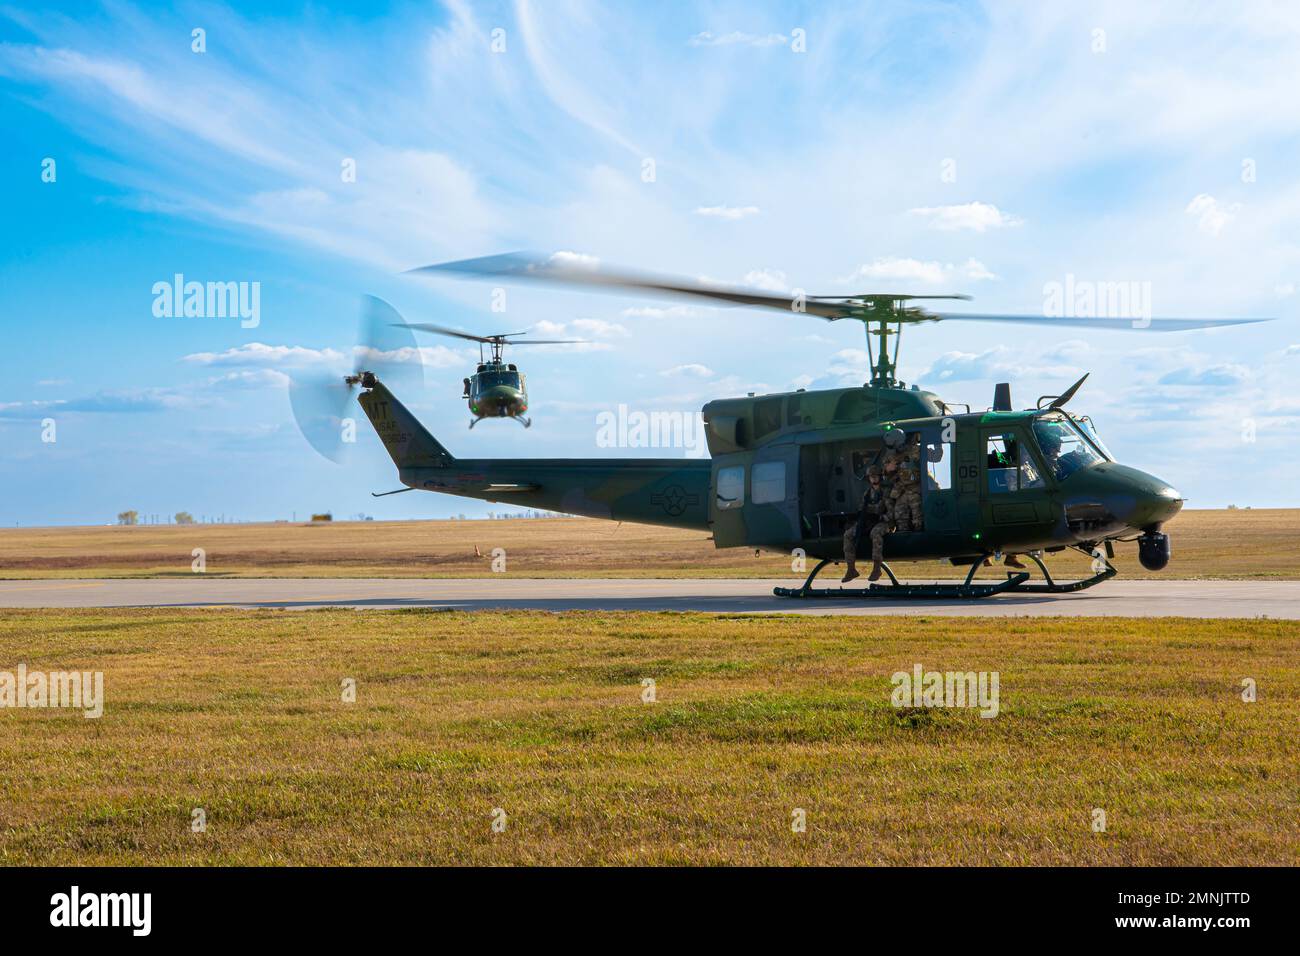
(1063, 445)
(1089, 429)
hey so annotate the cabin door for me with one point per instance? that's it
(772, 509)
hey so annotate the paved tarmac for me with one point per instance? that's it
(1115, 598)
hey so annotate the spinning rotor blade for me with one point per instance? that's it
(572, 270)
(1089, 322)
(386, 346)
(561, 269)
(319, 402)
(320, 399)
(443, 330)
(503, 338)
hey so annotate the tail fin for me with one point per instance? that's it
(408, 442)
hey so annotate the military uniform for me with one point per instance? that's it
(873, 517)
(903, 473)
(905, 498)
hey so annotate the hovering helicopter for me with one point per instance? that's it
(497, 389)
(787, 470)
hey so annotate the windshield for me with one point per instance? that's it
(1088, 428)
(1064, 447)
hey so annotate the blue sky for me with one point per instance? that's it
(923, 147)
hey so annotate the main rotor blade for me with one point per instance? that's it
(560, 269)
(443, 330)
(1091, 322)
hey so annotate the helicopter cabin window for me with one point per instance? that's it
(731, 487)
(793, 411)
(861, 461)
(938, 466)
(1002, 462)
(767, 416)
(851, 407)
(767, 482)
(1010, 467)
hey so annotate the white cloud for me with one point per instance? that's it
(1211, 214)
(692, 370)
(600, 329)
(915, 270)
(766, 280)
(429, 356)
(249, 379)
(731, 213)
(974, 269)
(964, 366)
(1215, 376)
(262, 355)
(975, 216)
(736, 38)
(584, 329)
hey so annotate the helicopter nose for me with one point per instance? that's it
(1110, 496)
(1155, 504)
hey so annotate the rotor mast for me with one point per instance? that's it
(883, 316)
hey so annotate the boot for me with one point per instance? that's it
(1013, 562)
(850, 573)
(876, 569)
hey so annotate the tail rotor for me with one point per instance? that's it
(320, 401)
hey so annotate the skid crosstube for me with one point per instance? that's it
(1016, 582)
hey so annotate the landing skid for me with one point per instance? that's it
(968, 590)
(526, 422)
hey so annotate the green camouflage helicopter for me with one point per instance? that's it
(787, 470)
(497, 389)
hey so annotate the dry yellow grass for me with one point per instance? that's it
(1207, 544)
(239, 712)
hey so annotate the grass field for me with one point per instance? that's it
(240, 713)
(1262, 544)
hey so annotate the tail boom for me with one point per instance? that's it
(662, 491)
